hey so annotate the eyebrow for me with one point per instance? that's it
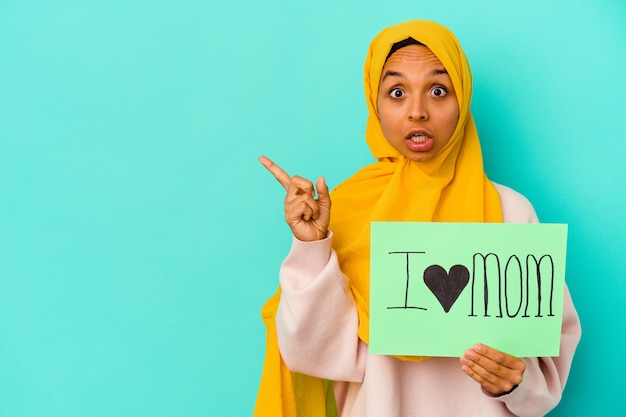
(436, 71)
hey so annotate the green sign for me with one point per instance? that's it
(439, 288)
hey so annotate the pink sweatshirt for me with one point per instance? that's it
(317, 334)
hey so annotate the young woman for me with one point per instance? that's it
(429, 168)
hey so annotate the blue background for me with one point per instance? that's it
(139, 236)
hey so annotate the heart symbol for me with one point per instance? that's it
(446, 287)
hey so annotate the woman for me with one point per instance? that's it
(429, 168)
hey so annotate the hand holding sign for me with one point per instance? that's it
(505, 288)
(307, 217)
(498, 372)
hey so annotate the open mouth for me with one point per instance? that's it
(418, 138)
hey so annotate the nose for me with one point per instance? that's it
(417, 109)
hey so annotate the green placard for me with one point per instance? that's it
(439, 288)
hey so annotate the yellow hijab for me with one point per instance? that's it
(452, 187)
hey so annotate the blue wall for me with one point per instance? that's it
(139, 236)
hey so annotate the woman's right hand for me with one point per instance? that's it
(307, 216)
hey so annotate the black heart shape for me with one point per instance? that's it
(446, 287)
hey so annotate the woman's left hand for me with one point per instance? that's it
(499, 373)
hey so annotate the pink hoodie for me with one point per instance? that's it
(317, 334)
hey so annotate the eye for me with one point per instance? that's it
(439, 91)
(396, 93)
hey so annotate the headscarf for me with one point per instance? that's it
(451, 187)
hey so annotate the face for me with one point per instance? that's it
(417, 104)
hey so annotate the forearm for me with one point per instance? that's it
(317, 321)
(545, 378)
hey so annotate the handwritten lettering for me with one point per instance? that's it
(514, 286)
(408, 280)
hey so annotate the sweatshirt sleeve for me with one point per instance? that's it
(317, 321)
(544, 378)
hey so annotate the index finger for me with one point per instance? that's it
(283, 178)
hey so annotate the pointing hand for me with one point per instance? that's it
(307, 216)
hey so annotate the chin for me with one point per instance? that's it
(419, 158)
